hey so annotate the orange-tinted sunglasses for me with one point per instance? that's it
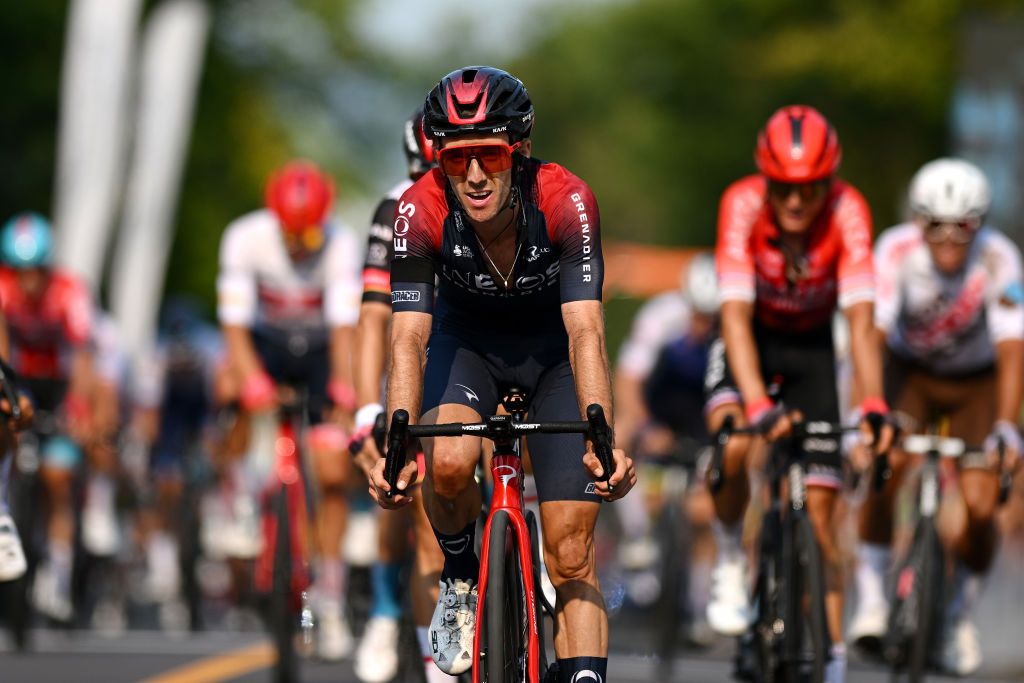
(493, 158)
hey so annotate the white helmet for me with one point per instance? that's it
(949, 189)
(700, 284)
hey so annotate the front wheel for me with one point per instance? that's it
(506, 636)
(809, 592)
(281, 611)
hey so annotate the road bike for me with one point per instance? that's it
(509, 639)
(282, 569)
(789, 638)
(919, 593)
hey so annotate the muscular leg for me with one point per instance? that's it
(731, 500)
(821, 505)
(451, 497)
(581, 624)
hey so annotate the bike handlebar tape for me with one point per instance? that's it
(600, 435)
(395, 459)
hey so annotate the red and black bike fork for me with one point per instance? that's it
(285, 480)
(507, 474)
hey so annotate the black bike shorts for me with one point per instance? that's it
(297, 365)
(803, 366)
(460, 371)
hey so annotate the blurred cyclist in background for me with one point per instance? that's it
(951, 311)
(377, 656)
(173, 394)
(49, 314)
(659, 396)
(288, 300)
(12, 555)
(794, 244)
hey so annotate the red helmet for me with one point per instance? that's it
(419, 147)
(798, 145)
(300, 195)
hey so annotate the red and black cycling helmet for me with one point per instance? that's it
(300, 195)
(418, 146)
(479, 99)
(798, 145)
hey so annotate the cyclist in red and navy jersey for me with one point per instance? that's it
(794, 242)
(515, 245)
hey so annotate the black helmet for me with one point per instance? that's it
(479, 99)
(418, 146)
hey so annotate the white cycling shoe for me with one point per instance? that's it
(334, 637)
(12, 555)
(728, 610)
(51, 593)
(453, 626)
(961, 651)
(868, 626)
(377, 656)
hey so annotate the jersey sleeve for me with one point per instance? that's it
(377, 265)
(342, 285)
(734, 257)
(856, 271)
(888, 292)
(660, 320)
(1004, 308)
(416, 240)
(574, 226)
(236, 280)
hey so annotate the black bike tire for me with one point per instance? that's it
(538, 568)
(24, 492)
(929, 597)
(812, 583)
(282, 616)
(503, 608)
(674, 554)
(758, 656)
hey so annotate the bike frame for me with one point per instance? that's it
(507, 495)
(507, 469)
(286, 477)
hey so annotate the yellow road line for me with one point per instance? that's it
(220, 667)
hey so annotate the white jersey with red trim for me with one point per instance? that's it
(661, 320)
(948, 323)
(261, 287)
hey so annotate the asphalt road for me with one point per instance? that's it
(150, 656)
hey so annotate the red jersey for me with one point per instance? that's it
(836, 267)
(41, 331)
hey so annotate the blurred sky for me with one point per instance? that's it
(423, 30)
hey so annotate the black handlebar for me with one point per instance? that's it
(9, 393)
(596, 427)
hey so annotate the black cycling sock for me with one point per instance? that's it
(583, 670)
(460, 560)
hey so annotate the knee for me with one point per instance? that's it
(735, 457)
(980, 501)
(571, 559)
(451, 467)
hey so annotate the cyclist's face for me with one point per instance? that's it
(32, 282)
(797, 205)
(948, 243)
(482, 194)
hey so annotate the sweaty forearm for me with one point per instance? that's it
(370, 351)
(405, 376)
(1009, 369)
(241, 351)
(865, 350)
(342, 339)
(741, 351)
(589, 360)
